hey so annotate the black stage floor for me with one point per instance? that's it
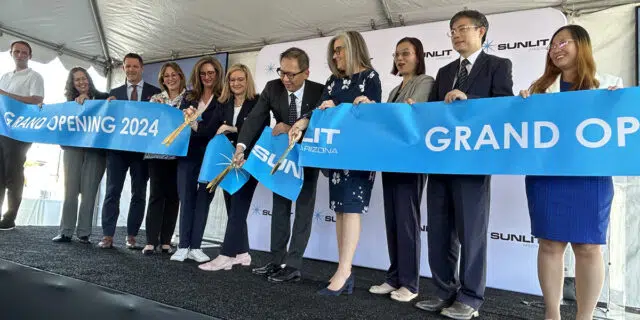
(141, 281)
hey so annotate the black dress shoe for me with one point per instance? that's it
(84, 239)
(267, 270)
(61, 238)
(287, 274)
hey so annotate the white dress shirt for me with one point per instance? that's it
(138, 87)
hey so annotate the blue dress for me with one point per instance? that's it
(350, 190)
(569, 209)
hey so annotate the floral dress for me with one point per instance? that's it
(350, 190)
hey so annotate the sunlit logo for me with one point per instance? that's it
(488, 46)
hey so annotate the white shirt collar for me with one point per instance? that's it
(472, 58)
(139, 84)
(298, 93)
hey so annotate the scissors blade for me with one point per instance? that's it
(283, 157)
(216, 181)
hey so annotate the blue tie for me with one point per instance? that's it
(463, 75)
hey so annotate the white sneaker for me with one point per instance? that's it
(243, 259)
(198, 255)
(180, 255)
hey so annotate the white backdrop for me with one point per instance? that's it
(519, 36)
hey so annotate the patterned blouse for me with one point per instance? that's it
(163, 97)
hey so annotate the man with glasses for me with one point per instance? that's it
(27, 86)
(458, 205)
(287, 98)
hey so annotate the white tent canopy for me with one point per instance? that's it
(100, 33)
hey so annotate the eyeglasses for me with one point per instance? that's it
(404, 54)
(289, 75)
(337, 50)
(208, 73)
(560, 44)
(460, 30)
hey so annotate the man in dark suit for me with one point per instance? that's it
(118, 162)
(458, 205)
(287, 98)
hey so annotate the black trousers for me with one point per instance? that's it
(162, 211)
(458, 218)
(402, 194)
(194, 203)
(13, 154)
(236, 236)
(281, 230)
(118, 162)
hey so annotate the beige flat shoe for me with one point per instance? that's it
(384, 288)
(403, 295)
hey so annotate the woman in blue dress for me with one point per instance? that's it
(570, 209)
(353, 80)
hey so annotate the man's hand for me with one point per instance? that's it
(295, 133)
(238, 157)
(280, 128)
(455, 95)
(111, 98)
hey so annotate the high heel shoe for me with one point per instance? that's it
(347, 288)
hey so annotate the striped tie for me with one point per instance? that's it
(463, 76)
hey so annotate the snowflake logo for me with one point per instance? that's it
(271, 68)
(487, 46)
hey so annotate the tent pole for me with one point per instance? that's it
(98, 22)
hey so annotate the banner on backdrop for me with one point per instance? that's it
(287, 181)
(217, 157)
(584, 133)
(115, 125)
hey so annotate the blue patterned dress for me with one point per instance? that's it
(570, 209)
(350, 190)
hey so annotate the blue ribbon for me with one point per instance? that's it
(217, 157)
(287, 181)
(116, 125)
(585, 133)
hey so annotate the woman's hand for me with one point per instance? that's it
(362, 99)
(524, 93)
(295, 133)
(226, 128)
(81, 98)
(326, 104)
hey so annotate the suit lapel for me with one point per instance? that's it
(450, 77)
(306, 96)
(478, 66)
(284, 104)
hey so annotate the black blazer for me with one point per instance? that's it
(147, 91)
(199, 139)
(490, 77)
(223, 114)
(275, 98)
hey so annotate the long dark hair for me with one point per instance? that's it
(70, 91)
(586, 78)
(419, 52)
(197, 88)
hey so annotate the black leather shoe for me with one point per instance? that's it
(84, 239)
(287, 274)
(7, 225)
(267, 270)
(434, 305)
(61, 238)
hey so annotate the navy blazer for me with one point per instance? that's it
(199, 139)
(147, 91)
(490, 77)
(224, 115)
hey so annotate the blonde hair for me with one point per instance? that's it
(355, 51)
(227, 94)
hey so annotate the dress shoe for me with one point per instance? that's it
(267, 270)
(61, 238)
(243, 259)
(131, 242)
(434, 305)
(384, 288)
(403, 295)
(460, 311)
(148, 251)
(84, 240)
(221, 262)
(6, 225)
(168, 249)
(347, 288)
(106, 243)
(286, 274)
